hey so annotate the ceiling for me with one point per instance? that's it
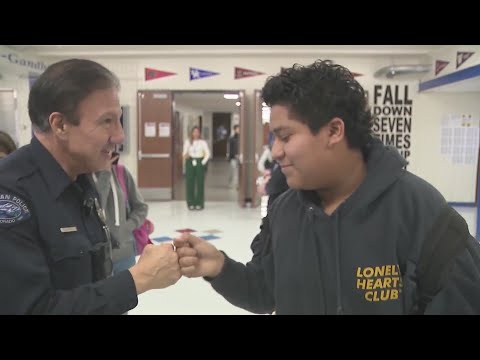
(189, 50)
(206, 101)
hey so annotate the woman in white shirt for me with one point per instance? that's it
(196, 155)
(266, 161)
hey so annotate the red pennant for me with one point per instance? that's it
(440, 65)
(151, 74)
(463, 56)
(241, 73)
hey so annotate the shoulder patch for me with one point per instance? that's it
(13, 210)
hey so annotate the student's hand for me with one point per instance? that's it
(197, 257)
(157, 268)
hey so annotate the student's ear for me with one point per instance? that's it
(58, 124)
(336, 131)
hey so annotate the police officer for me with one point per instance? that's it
(55, 249)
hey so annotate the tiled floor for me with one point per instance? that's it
(235, 228)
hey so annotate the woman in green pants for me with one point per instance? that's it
(196, 155)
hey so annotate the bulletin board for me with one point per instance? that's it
(452, 165)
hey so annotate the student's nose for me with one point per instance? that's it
(277, 150)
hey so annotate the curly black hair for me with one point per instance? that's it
(317, 93)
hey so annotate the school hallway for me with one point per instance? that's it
(229, 227)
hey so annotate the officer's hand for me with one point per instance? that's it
(198, 257)
(157, 268)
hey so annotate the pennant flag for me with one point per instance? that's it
(440, 65)
(151, 74)
(463, 56)
(241, 73)
(196, 74)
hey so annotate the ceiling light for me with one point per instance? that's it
(230, 96)
(238, 103)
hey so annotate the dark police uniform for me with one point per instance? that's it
(54, 250)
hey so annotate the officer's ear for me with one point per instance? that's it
(58, 124)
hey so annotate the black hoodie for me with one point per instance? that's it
(360, 259)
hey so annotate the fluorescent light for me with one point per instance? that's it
(230, 96)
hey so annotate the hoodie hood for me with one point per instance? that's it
(385, 166)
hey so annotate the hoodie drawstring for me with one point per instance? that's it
(115, 198)
(115, 201)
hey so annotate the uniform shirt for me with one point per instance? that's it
(199, 149)
(54, 253)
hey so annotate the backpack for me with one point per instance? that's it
(446, 239)
(143, 232)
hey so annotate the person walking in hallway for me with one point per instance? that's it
(196, 155)
(233, 150)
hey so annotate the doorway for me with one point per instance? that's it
(221, 130)
(215, 115)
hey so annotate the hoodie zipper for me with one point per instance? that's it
(337, 264)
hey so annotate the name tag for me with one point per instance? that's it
(68, 229)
